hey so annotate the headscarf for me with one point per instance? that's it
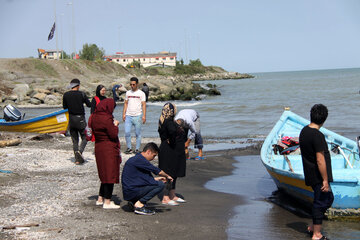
(98, 89)
(106, 106)
(167, 112)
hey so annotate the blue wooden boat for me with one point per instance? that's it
(345, 164)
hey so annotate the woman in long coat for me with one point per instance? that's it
(107, 150)
(172, 158)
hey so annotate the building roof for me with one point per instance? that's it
(144, 55)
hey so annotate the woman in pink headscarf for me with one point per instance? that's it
(107, 150)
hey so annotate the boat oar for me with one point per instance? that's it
(342, 153)
(289, 163)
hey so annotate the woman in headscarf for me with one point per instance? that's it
(100, 95)
(172, 158)
(107, 150)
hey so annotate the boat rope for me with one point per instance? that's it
(5, 171)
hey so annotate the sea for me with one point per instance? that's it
(247, 109)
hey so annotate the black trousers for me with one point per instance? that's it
(106, 190)
(322, 201)
(77, 125)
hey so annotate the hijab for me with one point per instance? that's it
(167, 112)
(106, 106)
(98, 89)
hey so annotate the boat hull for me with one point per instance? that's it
(49, 123)
(346, 184)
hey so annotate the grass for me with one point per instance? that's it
(44, 67)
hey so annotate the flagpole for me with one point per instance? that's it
(57, 51)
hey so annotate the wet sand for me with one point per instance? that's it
(46, 188)
(265, 213)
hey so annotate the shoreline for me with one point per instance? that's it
(47, 188)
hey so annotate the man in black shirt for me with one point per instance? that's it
(317, 166)
(74, 100)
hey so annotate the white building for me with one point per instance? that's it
(49, 54)
(146, 59)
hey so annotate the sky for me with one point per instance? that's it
(239, 35)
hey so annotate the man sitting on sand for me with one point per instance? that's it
(138, 184)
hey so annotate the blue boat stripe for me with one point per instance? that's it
(33, 119)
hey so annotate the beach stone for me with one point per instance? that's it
(41, 90)
(40, 96)
(51, 100)
(21, 91)
(12, 97)
(35, 101)
(7, 101)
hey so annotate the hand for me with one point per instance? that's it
(143, 119)
(325, 187)
(116, 123)
(124, 116)
(170, 178)
(163, 179)
(187, 143)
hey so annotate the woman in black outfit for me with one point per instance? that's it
(172, 158)
(100, 95)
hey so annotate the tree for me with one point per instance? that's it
(65, 56)
(195, 63)
(91, 52)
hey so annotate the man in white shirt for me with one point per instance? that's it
(191, 120)
(134, 114)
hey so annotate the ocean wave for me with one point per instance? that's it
(178, 103)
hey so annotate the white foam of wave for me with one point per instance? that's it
(178, 104)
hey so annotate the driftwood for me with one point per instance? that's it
(11, 142)
(21, 225)
(51, 229)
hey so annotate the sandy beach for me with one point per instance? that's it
(46, 189)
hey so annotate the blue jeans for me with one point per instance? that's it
(136, 122)
(146, 193)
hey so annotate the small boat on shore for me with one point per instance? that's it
(48, 123)
(287, 171)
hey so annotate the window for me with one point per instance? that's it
(124, 60)
(117, 60)
(171, 58)
(164, 58)
(157, 58)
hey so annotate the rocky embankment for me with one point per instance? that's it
(35, 82)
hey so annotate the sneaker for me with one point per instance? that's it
(144, 211)
(129, 151)
(99, 203)
(131, 206)
(112, 205)
(79, 158)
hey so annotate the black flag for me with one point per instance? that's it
(51, 34)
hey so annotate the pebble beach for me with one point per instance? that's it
(47, 196)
